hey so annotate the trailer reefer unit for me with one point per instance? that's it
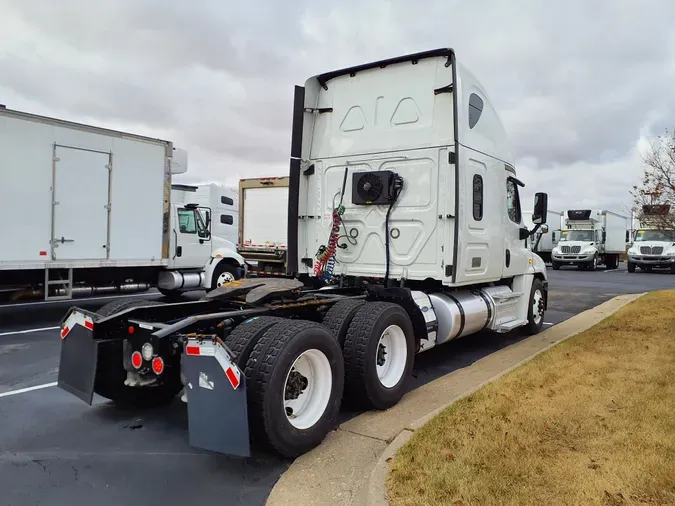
(97, 212)
(405, 231)
(591, 237)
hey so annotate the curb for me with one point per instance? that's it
(376, 488)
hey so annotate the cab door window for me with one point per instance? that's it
(187, 223)
(512, 201)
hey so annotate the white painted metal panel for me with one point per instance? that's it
(265, 216)
(26, 172)
(615, 226)
(80, 204)
(137, 199)
(26, 150)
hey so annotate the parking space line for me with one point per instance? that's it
(546, 323)
(87, 299)
(28, 389)
(28, 331)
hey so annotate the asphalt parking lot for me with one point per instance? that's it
(55, 450)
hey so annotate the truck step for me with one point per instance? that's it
(510, 325)
(55, 278)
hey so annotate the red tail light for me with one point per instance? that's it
(157, 365)
(131, 329)
(136, 359)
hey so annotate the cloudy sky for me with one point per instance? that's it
(581, 85)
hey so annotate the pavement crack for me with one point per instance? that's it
(364, 435)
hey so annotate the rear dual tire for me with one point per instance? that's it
(378, 350)
(295, 378)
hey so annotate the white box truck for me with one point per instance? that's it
(653, 244)
(548, 235)
(222, 202)
(92, 213)
(590, 238)
(263, 225)
(410, 158)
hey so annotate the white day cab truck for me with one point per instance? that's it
(405, 231)
(654, 244)
(547, 236)
(263, 225)
(94, 214)
(591, 238)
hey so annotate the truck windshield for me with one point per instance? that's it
(655, 235)
(577, 235)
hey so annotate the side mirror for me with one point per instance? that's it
(544, 229)
(604, 236)
(627, 236)
(540, 211)
(208, 218)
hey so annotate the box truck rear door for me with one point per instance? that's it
(80, 215)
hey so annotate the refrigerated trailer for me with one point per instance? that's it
(92, 212)
(408, 159)
(590, 238)
(263, 224)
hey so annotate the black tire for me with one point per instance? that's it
(121, 304)
(533, 327)
(110, 374)
(630, 266)
(555, 265)
(245, 336)
(338, 317)
(266, 371)
(672, 269)
(593, 264)
(362, 384)
(222, 268)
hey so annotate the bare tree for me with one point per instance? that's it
(655, 197)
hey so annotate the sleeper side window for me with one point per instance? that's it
(477, 197)
(226, 219)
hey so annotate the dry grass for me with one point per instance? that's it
(591, 422)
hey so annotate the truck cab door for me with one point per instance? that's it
(191, 241)
(516, 253)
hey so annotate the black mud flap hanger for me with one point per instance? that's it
(216, 395)
(79, 354)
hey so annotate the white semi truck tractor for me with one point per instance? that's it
(591, 238)
(654, 242)
(404, 232)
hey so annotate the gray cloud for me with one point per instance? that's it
(577, 83)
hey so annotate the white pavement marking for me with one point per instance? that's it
(84, 299)
(28, 389)
(546, 323)
(29, 331)
(610, 270)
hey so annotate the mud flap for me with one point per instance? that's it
(79, 354)
(216, 395)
